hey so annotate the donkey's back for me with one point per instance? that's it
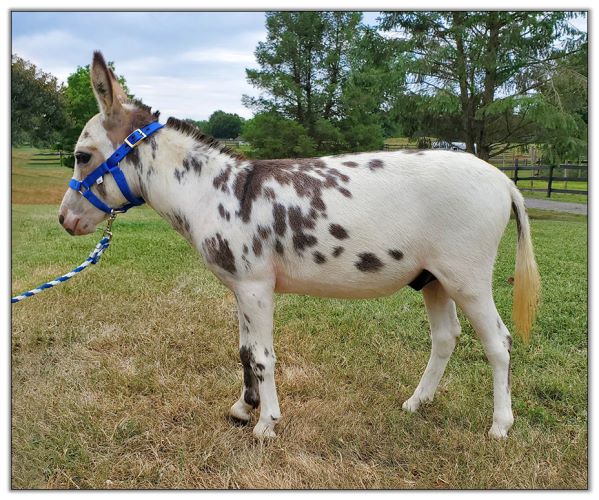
(387, 218)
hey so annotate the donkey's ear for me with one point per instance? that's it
(118, 91)
(103, 85)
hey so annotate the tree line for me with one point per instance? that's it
(328, 83)
(493, 80)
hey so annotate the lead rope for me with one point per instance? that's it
(93, 258)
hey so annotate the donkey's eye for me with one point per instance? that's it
(82, 158)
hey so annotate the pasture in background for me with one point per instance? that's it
(123, 377)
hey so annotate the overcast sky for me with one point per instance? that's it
(186, 64)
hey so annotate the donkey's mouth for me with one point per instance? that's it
(76, 227)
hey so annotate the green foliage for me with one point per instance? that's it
(37, 105)
(275, 136)
(305, 63)
(491, 74)
(81, 103)
(224, 125)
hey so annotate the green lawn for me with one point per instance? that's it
(122, 377)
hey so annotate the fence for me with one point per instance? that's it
(54, 158)
(553, 172)
(397, 147)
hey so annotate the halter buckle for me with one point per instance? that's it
(133, 137)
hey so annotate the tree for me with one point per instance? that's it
(375, 82)
(37, 104)
(566, 94)
(81, 103)
(485, 70)
(275, 136)
(303, 67)
(224, 125)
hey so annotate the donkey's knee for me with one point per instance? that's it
(445, 339)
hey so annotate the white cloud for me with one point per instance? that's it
(47, 49)
(195, 98)
(218, 55)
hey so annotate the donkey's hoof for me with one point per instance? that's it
(237, 422)
(240, 412)
(411, 405)
(264, 431)
(498, 432)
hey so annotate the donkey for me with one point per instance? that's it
(348, 226)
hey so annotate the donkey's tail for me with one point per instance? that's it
(527, 281)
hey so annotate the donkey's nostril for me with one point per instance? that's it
(61, 219)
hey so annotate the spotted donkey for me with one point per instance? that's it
(356, 226)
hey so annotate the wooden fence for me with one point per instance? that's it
(54, 158)
(549, 174)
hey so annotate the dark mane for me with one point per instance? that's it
(144, 108)
(142, 114)
(193, 131)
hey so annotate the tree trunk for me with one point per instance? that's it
(465, 98)
(490, 65)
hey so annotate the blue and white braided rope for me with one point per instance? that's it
(93, 258)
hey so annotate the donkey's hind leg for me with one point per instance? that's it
(445, 329)
(479, 308)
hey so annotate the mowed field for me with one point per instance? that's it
(122, 377)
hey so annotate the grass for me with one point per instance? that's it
(122, 377)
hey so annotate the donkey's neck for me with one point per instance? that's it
(184, 177)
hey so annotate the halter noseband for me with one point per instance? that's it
(111, 166)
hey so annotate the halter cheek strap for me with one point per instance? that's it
(111, 166)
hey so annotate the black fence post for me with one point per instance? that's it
(550, 181)
(516, 171)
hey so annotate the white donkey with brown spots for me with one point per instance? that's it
(355, 225)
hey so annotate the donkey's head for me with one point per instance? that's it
(99, 138)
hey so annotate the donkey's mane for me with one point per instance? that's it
(191, 130)
(143, 107)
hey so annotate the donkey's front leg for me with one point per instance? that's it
(256, 306)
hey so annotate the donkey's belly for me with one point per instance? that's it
(341, 286)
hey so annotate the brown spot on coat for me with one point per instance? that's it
(251, 394)
(338, 231)
(396, 254)
(375, 164)
(319, 258)
(180, 223)
(279, 247)
(256, 246)
(221, 180)
(223, 212)
(350, 164)
(279, 213)
(264, 232)
(297, 221)
(337, 251)
(218, 252)
(269, 194)
(302, 240)
(368, 262)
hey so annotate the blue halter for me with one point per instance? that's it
(111, 166)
